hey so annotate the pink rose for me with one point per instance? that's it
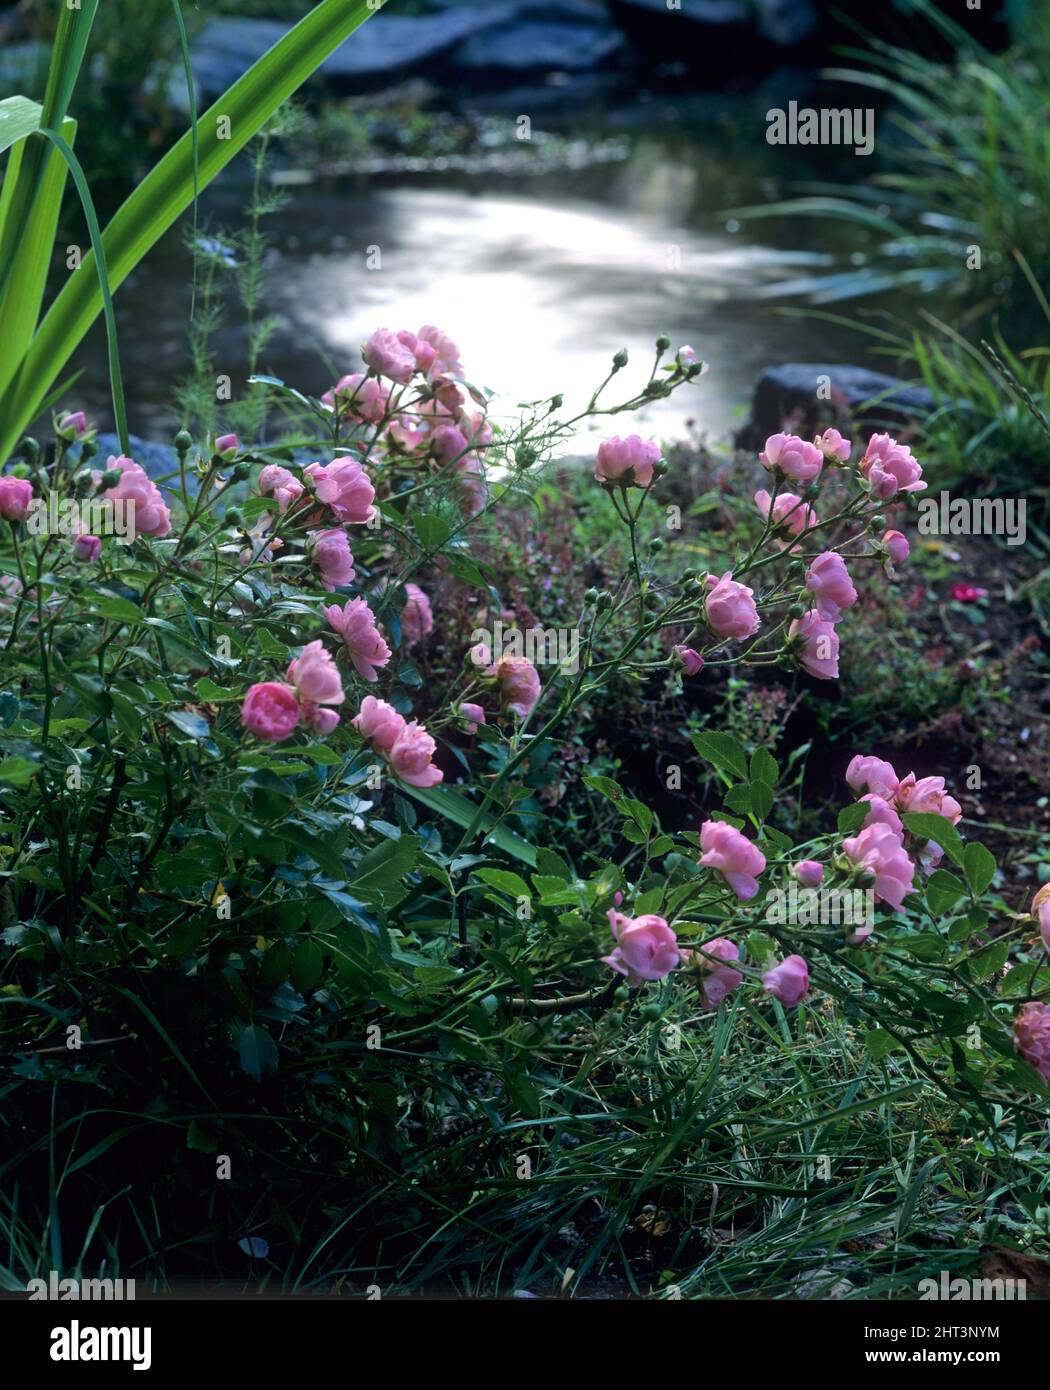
(356, 625)
(818, 645)
(832, 445)
(473, 714)
(1043, 914)
(275, 481)
(145, 507)
(411, 755)
(879, 849)
(968, 593)
(448, 443)
(927, 795)
(379, 723)
(719, 979)
(793, 456)
(15, 497)
(646, 947)
(344, 486)
(358, 397)
(626, 462)
(519, 684)
(827, 579)
(789, 515)
(809, 873)
(882, 813)
(788, 981)
(227, 445)
(890, 468)
(691, 661)
(858, 935)
(330, 552)
(87, 549)
(270, 711)
(435, 353)
(389, 357)
(73, 426)
(730, 607)
(315, 676)
(417, 618)
(1032, 1037)
(866, 773)
(896, 546)
(318, 719)
(732, 855)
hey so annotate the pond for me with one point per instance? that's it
(539, 278)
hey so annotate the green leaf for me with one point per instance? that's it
(722, 751)
(943, 891)
(19, 772)
(979, 865)
(258, 1052)
(505, 881)
(461, 812)
(307, 966)
(938, 829)
(431, 529)
(880, 1043)
(386, 865)
(851, 818)
(222, 131)
(764, 767)
(761, 799)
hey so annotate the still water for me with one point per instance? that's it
(540, 280)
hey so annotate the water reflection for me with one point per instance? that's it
(540, 284)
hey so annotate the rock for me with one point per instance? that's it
(538, 40)
(783, 393)
(156, 459)
(722, 38)
(384, 47)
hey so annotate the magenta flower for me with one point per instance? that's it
(832, 445)
(1032, 1037)
(417, 618)
(879, 850)
(788, 981)
(277, 482)
(890, 467)
(646, 947)
(790, 514)
(330, 552)
(379, 723)
(809, 873)
(793, 456)
(895, 544)
(732, 854)
(315, 676)
(730, 607)
(356, 625)
(519, 684)
(344, 486)
(411, 757)
(691, 661)
(827, 579)
(818, 645)
(626, 462)
(718, 978)
(15, 497)
(866, 773)
(87, 549)
(270, 711)
(145, 507)
(389, 357)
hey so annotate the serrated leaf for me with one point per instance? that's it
(723, 751)
(938, 829)
(979, 866)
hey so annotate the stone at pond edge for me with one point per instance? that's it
(790, 390)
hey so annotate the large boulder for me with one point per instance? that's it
(539, 38)
(721, 38)
(790, 394)
(384, 48)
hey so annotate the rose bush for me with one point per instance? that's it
(269, 894)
